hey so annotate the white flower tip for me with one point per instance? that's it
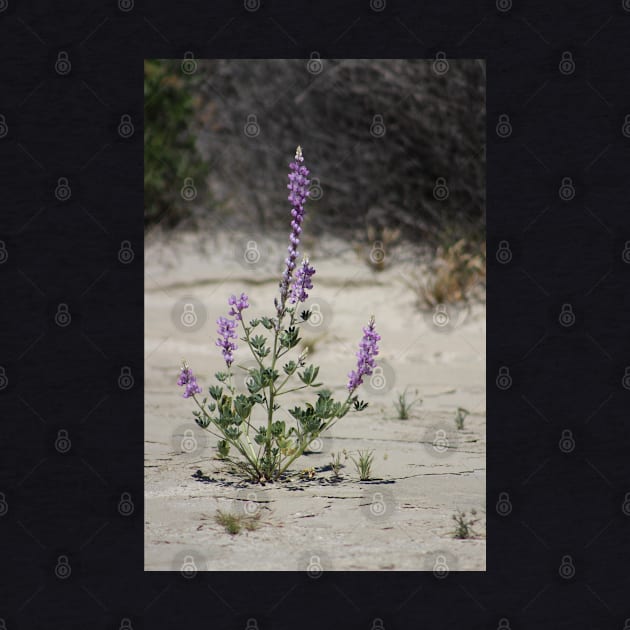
(298, 153)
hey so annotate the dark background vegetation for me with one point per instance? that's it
(196, 125)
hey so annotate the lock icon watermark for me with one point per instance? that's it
(4, 506)
(314, 568)
(377, 128)
(4, 128)
(251, 5)
(378, 5)
(314, 65)
(63, 570)
(188, 314)
(504, 126)
(625, 381)
(189, 63)
(440, 63)
(316, 446)
(63, 192)
(625, 128)
(377, 506)
(377, 624)
(566, 192)
(62, 64)
(440, 316)
(189, 317)
(63, 444)
(251, 506)
(125, 624)
(125, 127)
(567, 316)
(440, 568)
(567, 442)
(125, 253)
(440, 190)
(316, 318)
(4, 254)
(188, 191)
(504, 624)
(625, 254)
(251, 624)
(125, 505)
(504, 380)
(504, 505)
(189, 442)
(378, 380)
(625, 506)
(567, 568)
(125, 5)
(504, 5)
(189, 568)
(252, 253)
(504, 253)
(315, 191)
(567, 64)
(377, 254)
(125, 379)
(252, 128)
(440, 443)
(4, 379)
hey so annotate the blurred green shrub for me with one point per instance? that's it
(170, 154)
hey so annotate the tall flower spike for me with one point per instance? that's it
(187, 379)
(365, 356)
(298, 187)
(226, 332)
(302, 282)
(238, 305)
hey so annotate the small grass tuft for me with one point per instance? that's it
(335, 462)
(459, 270)
(464, 524)
(404, 406)
(460, 416)
(363, 464)
(235, 523)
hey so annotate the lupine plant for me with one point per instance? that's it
(251, 426)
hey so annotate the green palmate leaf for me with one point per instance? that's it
(278, 428)
(232, 433)
(254, 382)
(221, 376)
(258, 341)
(359, 405)
(215, 391)
(309, 375)
(243, 406)
(223, 446)
(269, 376)
(289, 337)
(290, 367)
(261, 436)
(267, 322)
(202, 421)
(254, 322)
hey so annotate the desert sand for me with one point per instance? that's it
(424, 468)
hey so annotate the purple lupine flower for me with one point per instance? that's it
(298, 186)
(367, 351)
(302, 282)
(226, 332)
(238, 305)
(187, 379)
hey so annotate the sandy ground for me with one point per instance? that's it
(424, 469)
